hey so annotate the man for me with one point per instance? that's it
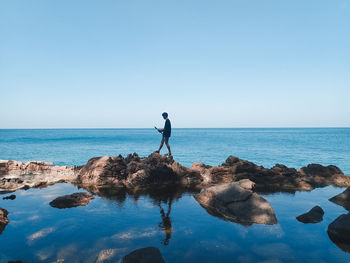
(166, 133)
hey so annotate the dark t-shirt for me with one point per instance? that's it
(167, 128)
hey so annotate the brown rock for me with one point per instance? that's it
(339, 232)
(234, 203)
(16, 175)
(144, 255)
(3, 219)
(342, 199)
(315, 215)
(73, 200)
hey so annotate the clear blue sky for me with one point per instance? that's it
(234, 63)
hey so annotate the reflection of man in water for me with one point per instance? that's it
(165, 225)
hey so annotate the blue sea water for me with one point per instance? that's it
(294, 147)
(111, 226)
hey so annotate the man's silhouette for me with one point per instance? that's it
(166, 133)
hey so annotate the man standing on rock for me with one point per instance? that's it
(166, 133)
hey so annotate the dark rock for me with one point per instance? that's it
(342, 199)
(3, 219)
(73, 200)
(238, 203)
(144, 255)
(10, 197)
(339, 232)
(315, 215)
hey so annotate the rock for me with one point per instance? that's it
(315, 215)
(342, 199)
(339, 232)
(3, 219)
(73, 200)
(16, 175)
(135, 172)
(10, 197)
(234, 203)
(144, 255)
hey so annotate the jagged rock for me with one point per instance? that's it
(16, 175)
(144, 255)
(339, 232)
(238, 203)
(10, 197)
(3, 219)
(342, 199)
(73, 200)
(315, 215)
(133, 171)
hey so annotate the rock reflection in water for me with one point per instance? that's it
(163, 197)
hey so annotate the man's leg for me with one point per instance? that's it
(161, 145)
(167, 144)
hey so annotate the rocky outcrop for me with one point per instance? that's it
(238, 203)
(144, 255)
(16, 175)
(315, 215)
(3, 219)
(342, 199)
(73, 200)
(278, 178)
(339, 232)
(135, 172)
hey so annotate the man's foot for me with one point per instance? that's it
(157, 151)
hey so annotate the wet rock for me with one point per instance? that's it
(135, 172)
(3, 219)
(73, 200)
(342, 199)
(144, 255)
(10, 197)
(339, 232)
(235, 203)
(315, 215)
(16, 175)
(278, 178)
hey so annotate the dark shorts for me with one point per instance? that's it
(166, 138)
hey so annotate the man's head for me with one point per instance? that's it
(165, 115)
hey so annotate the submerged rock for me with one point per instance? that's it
(238, 203)
(10, 197)
(73, 200)
(342, 199)
(3, 219)
(315, 215)
(339, 232)
(144, 255)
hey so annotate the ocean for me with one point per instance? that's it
(294, 147)
(111, 226)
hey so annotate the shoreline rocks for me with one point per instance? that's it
(15, 175)
(3, 219)
(339, 232)
(315, 215)
(342, 199)
(237, 202)
(73, 200)
(139, 173)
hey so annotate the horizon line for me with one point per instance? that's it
(128, 128)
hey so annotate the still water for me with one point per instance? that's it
(111, 226)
